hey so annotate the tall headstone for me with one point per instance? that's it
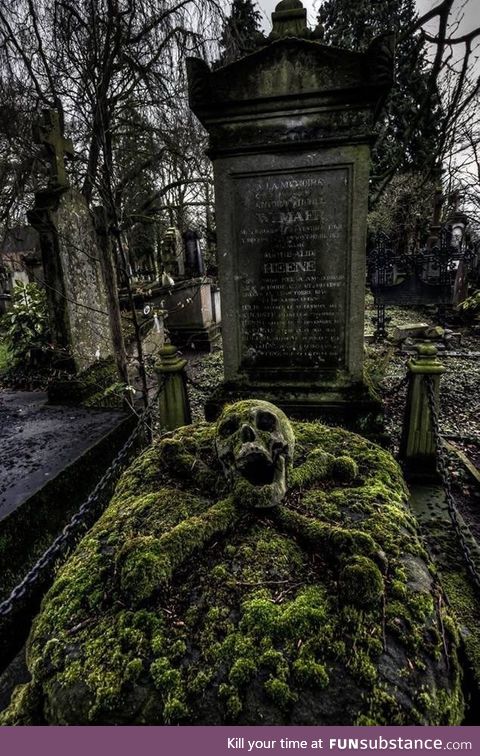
(194, 264)
(173, 253)
(290, 127)
(76, 293)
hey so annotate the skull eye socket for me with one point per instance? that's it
(266, 421)
(229, 426)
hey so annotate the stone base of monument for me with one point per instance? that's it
(202, 339)
(91, 387)
(355, 407)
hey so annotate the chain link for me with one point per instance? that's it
(79, 518)
(441, 464)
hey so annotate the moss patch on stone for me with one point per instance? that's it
(98, 386)
(182, 605)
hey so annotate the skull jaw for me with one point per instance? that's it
(266, 479)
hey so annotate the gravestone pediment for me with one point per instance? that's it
(289, 69)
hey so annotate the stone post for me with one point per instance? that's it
(417, 447)
(174, 407)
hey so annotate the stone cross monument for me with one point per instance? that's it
(48, 132)
(290, 127)
(78, 301)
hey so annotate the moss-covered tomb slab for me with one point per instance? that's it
(183, 605)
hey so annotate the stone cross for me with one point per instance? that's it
(48, 132)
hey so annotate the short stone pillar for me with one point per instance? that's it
(174, 407)
(417, 447)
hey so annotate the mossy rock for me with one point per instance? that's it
(183, 606)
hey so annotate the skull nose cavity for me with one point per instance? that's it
(247, 433)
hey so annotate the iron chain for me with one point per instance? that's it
(78, 518)
(442, 470)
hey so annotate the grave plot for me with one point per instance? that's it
(236, 599)
(52, 457)
(259, 566)
(451, 542)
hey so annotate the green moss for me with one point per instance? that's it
(164, 677)
(279, 692)
(464, 605)
(174, 711)
(97, 386)
(242, 671)
(361, 582)
(180, 606)
(310, 673)
(147, 563)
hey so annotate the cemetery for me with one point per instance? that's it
(239, 365)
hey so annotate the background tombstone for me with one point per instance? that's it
(290, 130)
(19, 262)
(191, 321)
(173, 253)
(194, 264)
(77, 297)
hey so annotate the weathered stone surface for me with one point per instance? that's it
(188, 604)
(76, 293)
(290, 130)
(73, 273)
(409, 330)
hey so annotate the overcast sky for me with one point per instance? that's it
(471, 11)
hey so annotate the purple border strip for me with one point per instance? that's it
(231, 740)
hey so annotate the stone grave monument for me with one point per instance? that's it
(193, 253)
(255, 571)
(75, 286)
(191, 322)
(172, 253)
(189, 301)
(290, 127)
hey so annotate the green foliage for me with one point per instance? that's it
(4, 356)
(470, 307)
(241, 30)
(411, 119)
(25, 326)
(404, 210)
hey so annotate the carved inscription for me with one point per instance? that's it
(292, 247)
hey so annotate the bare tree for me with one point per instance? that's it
(96, 61)
(113, 69)
(453, 76)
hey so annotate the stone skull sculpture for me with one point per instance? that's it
(255, 441)
(190, 604)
